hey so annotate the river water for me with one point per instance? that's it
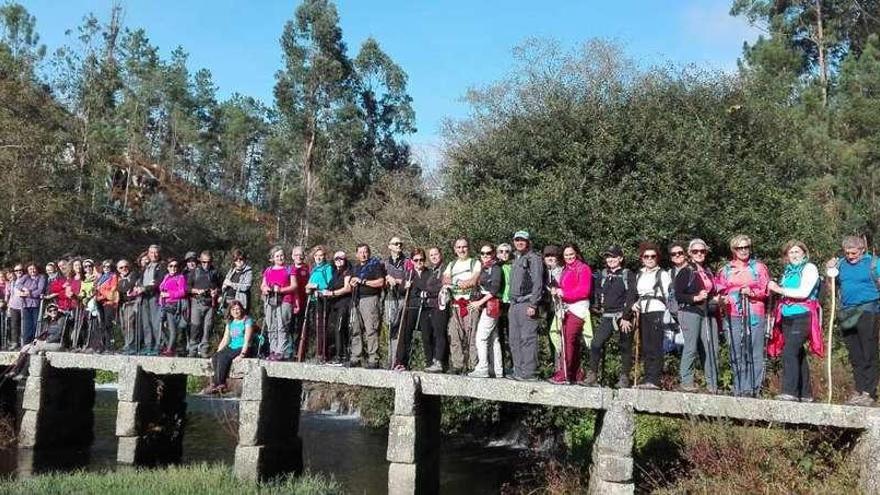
(333, 444)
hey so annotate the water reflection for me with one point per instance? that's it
(333, 444)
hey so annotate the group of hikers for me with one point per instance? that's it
(474, 314)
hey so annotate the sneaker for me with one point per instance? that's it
(454, 371)
(853, 399)
(436, 367)
(221, 389)
(807, 399)
(557, 380)
(786, 397)
(688, 388)
(372, 365)
(399, 367)
(19, 377)
(527, 379)
(479, 374)
(623, 382)
(169, 353)
(208, 390)
(647, 386)
(863, 399)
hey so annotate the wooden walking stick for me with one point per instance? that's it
(832, 274)
(303, 336)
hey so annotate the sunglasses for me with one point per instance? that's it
(676, 253)
(504, 250)
(396, 243)
(18, 270)
(742, 248)
(418, 260)
(699, 251)
(485, 253)
(649, 256)
(339, 259)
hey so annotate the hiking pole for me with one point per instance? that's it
(636, 340)
(560, 316)
(303, 336)
(832, 273)
(400, 333)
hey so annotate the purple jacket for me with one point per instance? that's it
(35, 285)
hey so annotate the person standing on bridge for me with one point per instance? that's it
(15, 303)
(526, 289)
(108, 300)
(172, 304)
(797, 321)
(203, 284)
(338, 297)
(460, 276)
(318, 284)
(237, 284)
(652, 285)
(434, 333)
(300, 270)
(694, 288)
(367, 282)
(31, 288)
(486, 302)
(129, 302)
(415, 315)
(277, 288)
(858, 275)
(397, 265)
(742, 288)
(573, 294)
(151, 319)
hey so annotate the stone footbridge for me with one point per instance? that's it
(59, 396)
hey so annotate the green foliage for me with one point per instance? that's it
(191, 479)
(104, 376)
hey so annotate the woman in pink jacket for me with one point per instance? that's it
(573, 295)
(172, 293)
(742, 290)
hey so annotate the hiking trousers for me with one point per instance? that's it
(523, 340)
(222, 361)
(151, 323)
(487, 338)
(795, 366)
(128, 319)
(698, 330)
(609, 325)
(746, 355)
(366, 335)
(861, 345)
(462, 339)
(570, 349)
(277, 325)
(201, 321)
(434, 334)
(651, 335)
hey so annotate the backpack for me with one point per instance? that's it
(671, 300)
(624, 274)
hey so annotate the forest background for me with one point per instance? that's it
(106, 146)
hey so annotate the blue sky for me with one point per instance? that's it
(445, 46)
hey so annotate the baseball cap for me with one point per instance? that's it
(613, 251)
(521, 234)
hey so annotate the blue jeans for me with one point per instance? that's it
(698, 329)
(29, 317)
(746, 355)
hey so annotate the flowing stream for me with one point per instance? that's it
(333, 444)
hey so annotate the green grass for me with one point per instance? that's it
(177, 480)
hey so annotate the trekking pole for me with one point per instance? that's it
(400, 333)
(832, 273)
(560, 316)
(636, 340)
(301, 350)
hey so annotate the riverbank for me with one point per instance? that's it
(192, 479)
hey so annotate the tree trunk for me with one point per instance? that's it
(820, 43)
(308, 183)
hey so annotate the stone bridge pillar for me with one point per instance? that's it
(150, 416)
(612, 469)
(413, 440)
(58, 407)
(268, 431)
(867, 454)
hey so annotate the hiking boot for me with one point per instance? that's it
(479, 374)
(786, 397)
(623, 382)
(555, 380)
(436, 367)
(807, 399)
(864, 399)
(591, 380)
